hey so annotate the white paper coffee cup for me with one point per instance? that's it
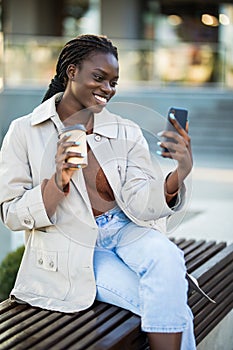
(77, 133)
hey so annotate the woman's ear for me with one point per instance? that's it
(71, 70)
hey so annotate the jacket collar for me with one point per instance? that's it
(45, 110)
(105, 122)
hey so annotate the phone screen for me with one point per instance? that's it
(181, 115)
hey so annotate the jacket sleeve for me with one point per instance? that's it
(142, 192)
(21, 203)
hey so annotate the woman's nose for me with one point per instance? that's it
(106, 87)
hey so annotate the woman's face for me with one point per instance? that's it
(94, 84)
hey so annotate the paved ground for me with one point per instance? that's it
(210, 213)
(210, 217)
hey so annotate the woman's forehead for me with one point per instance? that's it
(99, 60)
(102, 57)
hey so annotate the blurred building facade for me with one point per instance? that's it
(163, 42)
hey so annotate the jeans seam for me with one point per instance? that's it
(114, 291)
(164, 329)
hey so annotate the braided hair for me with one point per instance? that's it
(75, 52)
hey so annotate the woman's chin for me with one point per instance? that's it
(97, 108)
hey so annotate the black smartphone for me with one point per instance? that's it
(181, 115)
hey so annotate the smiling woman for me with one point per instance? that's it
(89, 60)
(99, 75)
(96, 232)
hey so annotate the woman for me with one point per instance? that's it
(95, 232)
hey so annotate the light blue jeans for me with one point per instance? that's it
(141, 270)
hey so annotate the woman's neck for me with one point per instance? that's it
(70, 116)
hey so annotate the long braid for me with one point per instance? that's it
(75, 52)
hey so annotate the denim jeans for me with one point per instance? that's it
(140, 269)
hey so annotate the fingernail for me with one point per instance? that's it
(159, 143)
(77, 143)
(160, 133)
(159, 153)
(79, 166)
(171, 116)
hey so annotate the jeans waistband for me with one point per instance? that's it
(107, 216)
(110, 211)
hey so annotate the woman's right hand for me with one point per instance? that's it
(64, 169)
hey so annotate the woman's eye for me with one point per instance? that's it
(114, 83)
(98, 77)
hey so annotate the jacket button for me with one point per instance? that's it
(51, 264)
(40, 261)
(27, 221)
(98, 138)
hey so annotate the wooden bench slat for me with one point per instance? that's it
(79, 325)
(221, 278)
(193, 248)
(197, 252)
(33, 331)
(17, 320)
(214, 315)
(202, 249)
(177, 241)
(214, 264)
(94, 330)
(14, 310)
(6, 305)
(128, 330)
(221, 300)
(34, 322)
(184, 244)
(200, 315)
(205, 256)
(62, 326)
(210, 326)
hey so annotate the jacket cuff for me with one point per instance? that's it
(31, 213)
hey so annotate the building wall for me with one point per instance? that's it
(121, 19)
(33, 17)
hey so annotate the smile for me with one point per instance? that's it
(101, 99)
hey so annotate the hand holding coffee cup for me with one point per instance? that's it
(76, 134)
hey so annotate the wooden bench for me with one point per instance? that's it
(103, 326)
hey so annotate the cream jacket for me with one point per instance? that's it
(56, 271)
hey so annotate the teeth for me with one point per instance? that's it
(101, 99)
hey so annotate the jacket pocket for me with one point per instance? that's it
(44, 268)
(47, 260)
